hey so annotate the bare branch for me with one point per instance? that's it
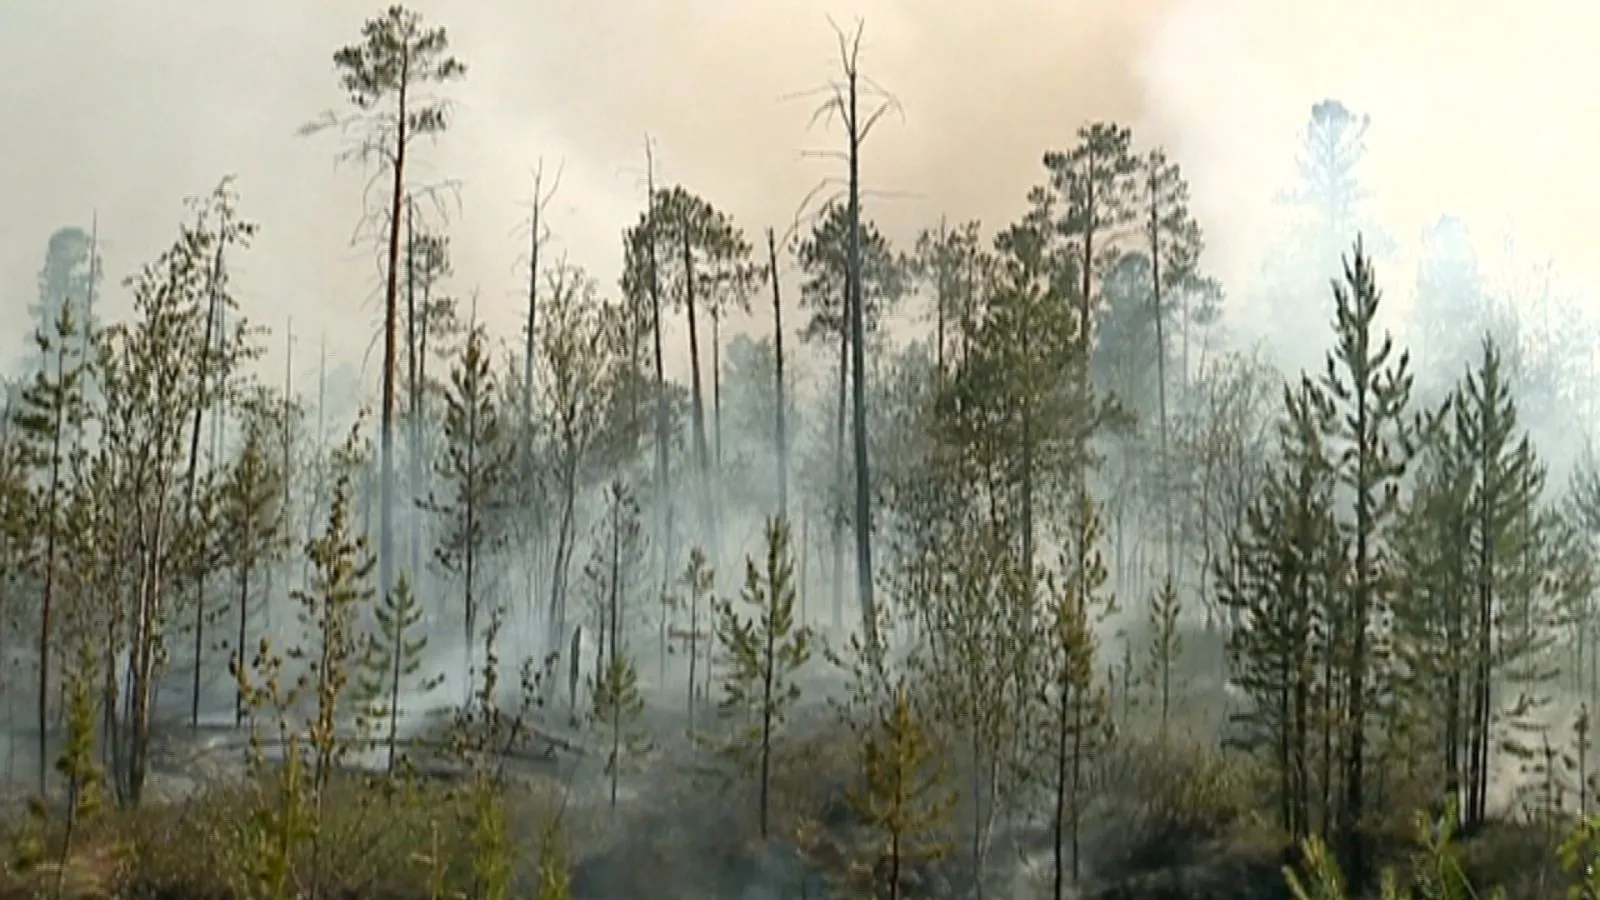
(882, 194)
(825, 89)
(889, 105)
(832, 107)
(536, 207)
(652, 167)
(804, 214)
(836, 155)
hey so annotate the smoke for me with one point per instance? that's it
(1473, 114)
(114, 111)
(1476, 110)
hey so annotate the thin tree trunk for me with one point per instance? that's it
(858, 359)
(391, 302)
(716, 383)
(769, 667)
(47, 607)
(663, 421)
(1161, 374)
(241, 657)
(780, 424)
(836, 502)
(414, 365)
(193, 467)
(697, 403)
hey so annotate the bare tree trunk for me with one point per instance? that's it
(1155, 227)
(190, 475)
(856, 131)
(780, 424)
(414, 398)
(836, 502)
(288, 445)
(240, 656)
(663, 422)
(47, 605)
(391, 302)
(716, 383)
(697, 405)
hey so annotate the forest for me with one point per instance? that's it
(1088, 584)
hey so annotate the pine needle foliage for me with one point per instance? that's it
(616, 709)
(763, 652)
(904, 795)
(392, 663)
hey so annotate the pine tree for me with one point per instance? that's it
(1075, 708)
(1371, 390)
(394, 654)
(475, 466)
(71, 275)
(76, 764)
(615, 566)
(1166, 645)
(250, 518)
(52, 409)
(1277, 582)
(950, 261)
(618, 704)
(1173, 243)
(493, 859)
(848, 92)
(1432, 635)
(705, 262)
(16, 539)
(905, 797)
(837, 246)
(429, 319)
(386, 78)
(764, 653)
(330, 609)
(699, 582)
(1325, 208)
(641, 285)
(1504, 569)
(1089, 198)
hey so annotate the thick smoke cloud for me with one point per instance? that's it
(1479, 109)
(114, 109)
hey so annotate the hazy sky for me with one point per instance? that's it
(1486, 109)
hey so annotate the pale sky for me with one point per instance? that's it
(1489, 110)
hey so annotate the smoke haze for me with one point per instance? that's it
(1478, 110)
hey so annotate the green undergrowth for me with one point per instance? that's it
(248, 841)
(1505, 861)
(1177, 807)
